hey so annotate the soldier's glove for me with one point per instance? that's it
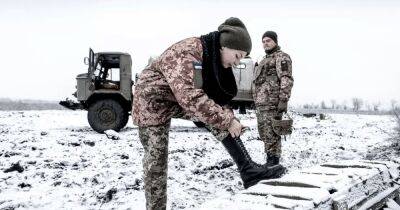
(282, 106)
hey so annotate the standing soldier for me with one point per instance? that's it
(273, 83)
(193, 78)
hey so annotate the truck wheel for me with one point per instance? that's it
(242, 109)
(107, 114)
(126, 119)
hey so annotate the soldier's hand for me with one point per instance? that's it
(282, 106)
(235, 128)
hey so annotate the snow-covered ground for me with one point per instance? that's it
(66, 165)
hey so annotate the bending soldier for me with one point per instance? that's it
(168, 88)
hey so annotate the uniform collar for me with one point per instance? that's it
(271, 51)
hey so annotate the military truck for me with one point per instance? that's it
(244, 76)
(105, 90)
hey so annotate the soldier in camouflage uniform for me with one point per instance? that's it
(193, 79)
(273, 83)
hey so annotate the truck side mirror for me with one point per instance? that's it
(86, 61)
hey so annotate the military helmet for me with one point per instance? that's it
(282, 125)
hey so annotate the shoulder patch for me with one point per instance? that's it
(197, 65)
(198, 77)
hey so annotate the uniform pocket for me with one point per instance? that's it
(273, 82)
(158, 98)
(259, 80)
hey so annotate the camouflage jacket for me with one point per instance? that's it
(273, 80)
(166, 89)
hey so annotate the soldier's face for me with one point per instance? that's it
(231, 57)
(268, 43)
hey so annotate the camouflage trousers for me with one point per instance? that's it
(155, 162)
(272, 141)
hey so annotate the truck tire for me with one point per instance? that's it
(126, 119)
(242, 109)
(107, 114)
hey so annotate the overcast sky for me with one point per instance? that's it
(340, 49)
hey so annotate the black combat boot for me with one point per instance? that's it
(249, 173)
(246, 154)
(272, 160)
